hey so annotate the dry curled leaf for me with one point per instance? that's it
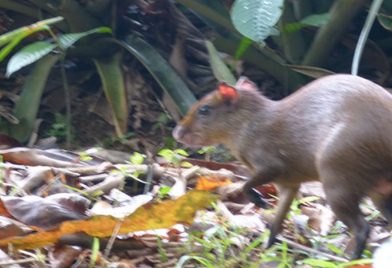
(46, 212)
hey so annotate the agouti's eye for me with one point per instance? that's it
(204, 110)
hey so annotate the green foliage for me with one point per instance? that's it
(256, 19)
(315, 20)
(113, 84)
(13, 38)
(162, 72)
(173, 156)
(27, 106)
(219, 68)
(164, 192)
(59, 128)
(28, 54)
(137, 158)
(84, 156)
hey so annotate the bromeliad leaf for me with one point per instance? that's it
(255, 19)
(28, 55)
(67, 40)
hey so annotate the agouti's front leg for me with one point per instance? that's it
(260, 178)
(286, 196)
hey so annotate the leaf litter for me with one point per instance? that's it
(157, 215)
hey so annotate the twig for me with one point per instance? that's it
(310, 250)
(11, 262)
(112, 239)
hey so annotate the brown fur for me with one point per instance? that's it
(337, 129)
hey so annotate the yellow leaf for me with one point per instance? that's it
(211, 182)
(150, 216)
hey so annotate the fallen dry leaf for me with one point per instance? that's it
(147, 217)
(46, 212)
(35, 157)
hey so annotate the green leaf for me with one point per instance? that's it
(319, 263)
(26, 108)
(311, 71)
(137, 158)
(316, 20)
(14, 37)
(162, 72)
(385, 21)
(181, 152)
(256, 19)
(219, 68)
(28, 55)
(27, 30)
(67, 40)
(166, 153)
(112, 79)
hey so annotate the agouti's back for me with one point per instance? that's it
(336, 129)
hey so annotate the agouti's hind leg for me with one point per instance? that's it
(344, 202)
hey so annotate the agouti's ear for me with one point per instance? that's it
(227, 93)
(244, 83)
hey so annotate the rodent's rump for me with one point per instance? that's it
(337, 129)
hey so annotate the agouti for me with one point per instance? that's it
(337, 129)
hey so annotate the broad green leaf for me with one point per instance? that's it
(28, 55)
(26, 108)
(219, 68)
(67, 40)
(162, 72)
(228, 40)
(112, 78)
(256, 19)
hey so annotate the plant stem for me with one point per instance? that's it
(342, 12)
(376, 4)
(68, 117)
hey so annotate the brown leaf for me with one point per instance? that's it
(46, 212)
(64, 256)
(150, 216)
(10, 228)
(34, 157)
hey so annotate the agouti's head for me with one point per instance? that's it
(218, 116)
